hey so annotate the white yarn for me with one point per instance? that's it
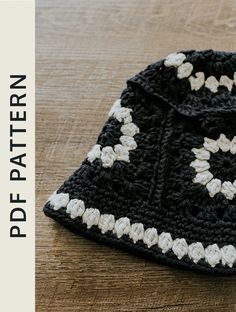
(165, 242)
(211, 145)
(203, 177)
(108, 156)
(59, 200)
(228, 189)
(226, 82)
(223, 143)
(150, 237)
(201, 153)
(129, 129)
(233, 146)
(115, 107)
(106, 222)
(213, 255)
(228, 255)
(196, 251)
(174, 59)
(200, 165)
(128, 142)
(123, 115)
(122, 153)
(136, 232)
(184, 70)
(180, 247)
(212, 83)
(94, 153)
(91, 217)
(214, 187)
(122, 226)
(198, 82)
(75, 208)
(119, 152)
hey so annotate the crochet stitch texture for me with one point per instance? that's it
(161, 179)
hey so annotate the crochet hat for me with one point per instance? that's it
(160, 181)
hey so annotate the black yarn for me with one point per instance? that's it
(156, 187)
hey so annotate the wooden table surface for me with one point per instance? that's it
(86, 50)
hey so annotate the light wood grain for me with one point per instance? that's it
(86, 50)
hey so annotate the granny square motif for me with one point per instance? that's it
(160, 181)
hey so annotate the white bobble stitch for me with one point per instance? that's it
(115, 107)
(75, 208)
(201, 153)
(198, 82)
(122, 153)
(223, 143)
(228, 254)
(200, 165)
(129, 129)
(59, 200)
(212, 83)
(213, 255)
(228, 189)
(108, 156)
(196, 251)
(106, 223)
(174, 59)
(94, 153)
(184, 70)
(180, 247)
(91, 217)
(136, 232)
(122, 226)
(165, 242)
(150, 237)
(203, 177)
(233, 146)
(128, 142)
(211, 145)
(123, 115)
(226, 82)
(214, 187)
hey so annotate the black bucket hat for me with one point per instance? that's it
(161, 179)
